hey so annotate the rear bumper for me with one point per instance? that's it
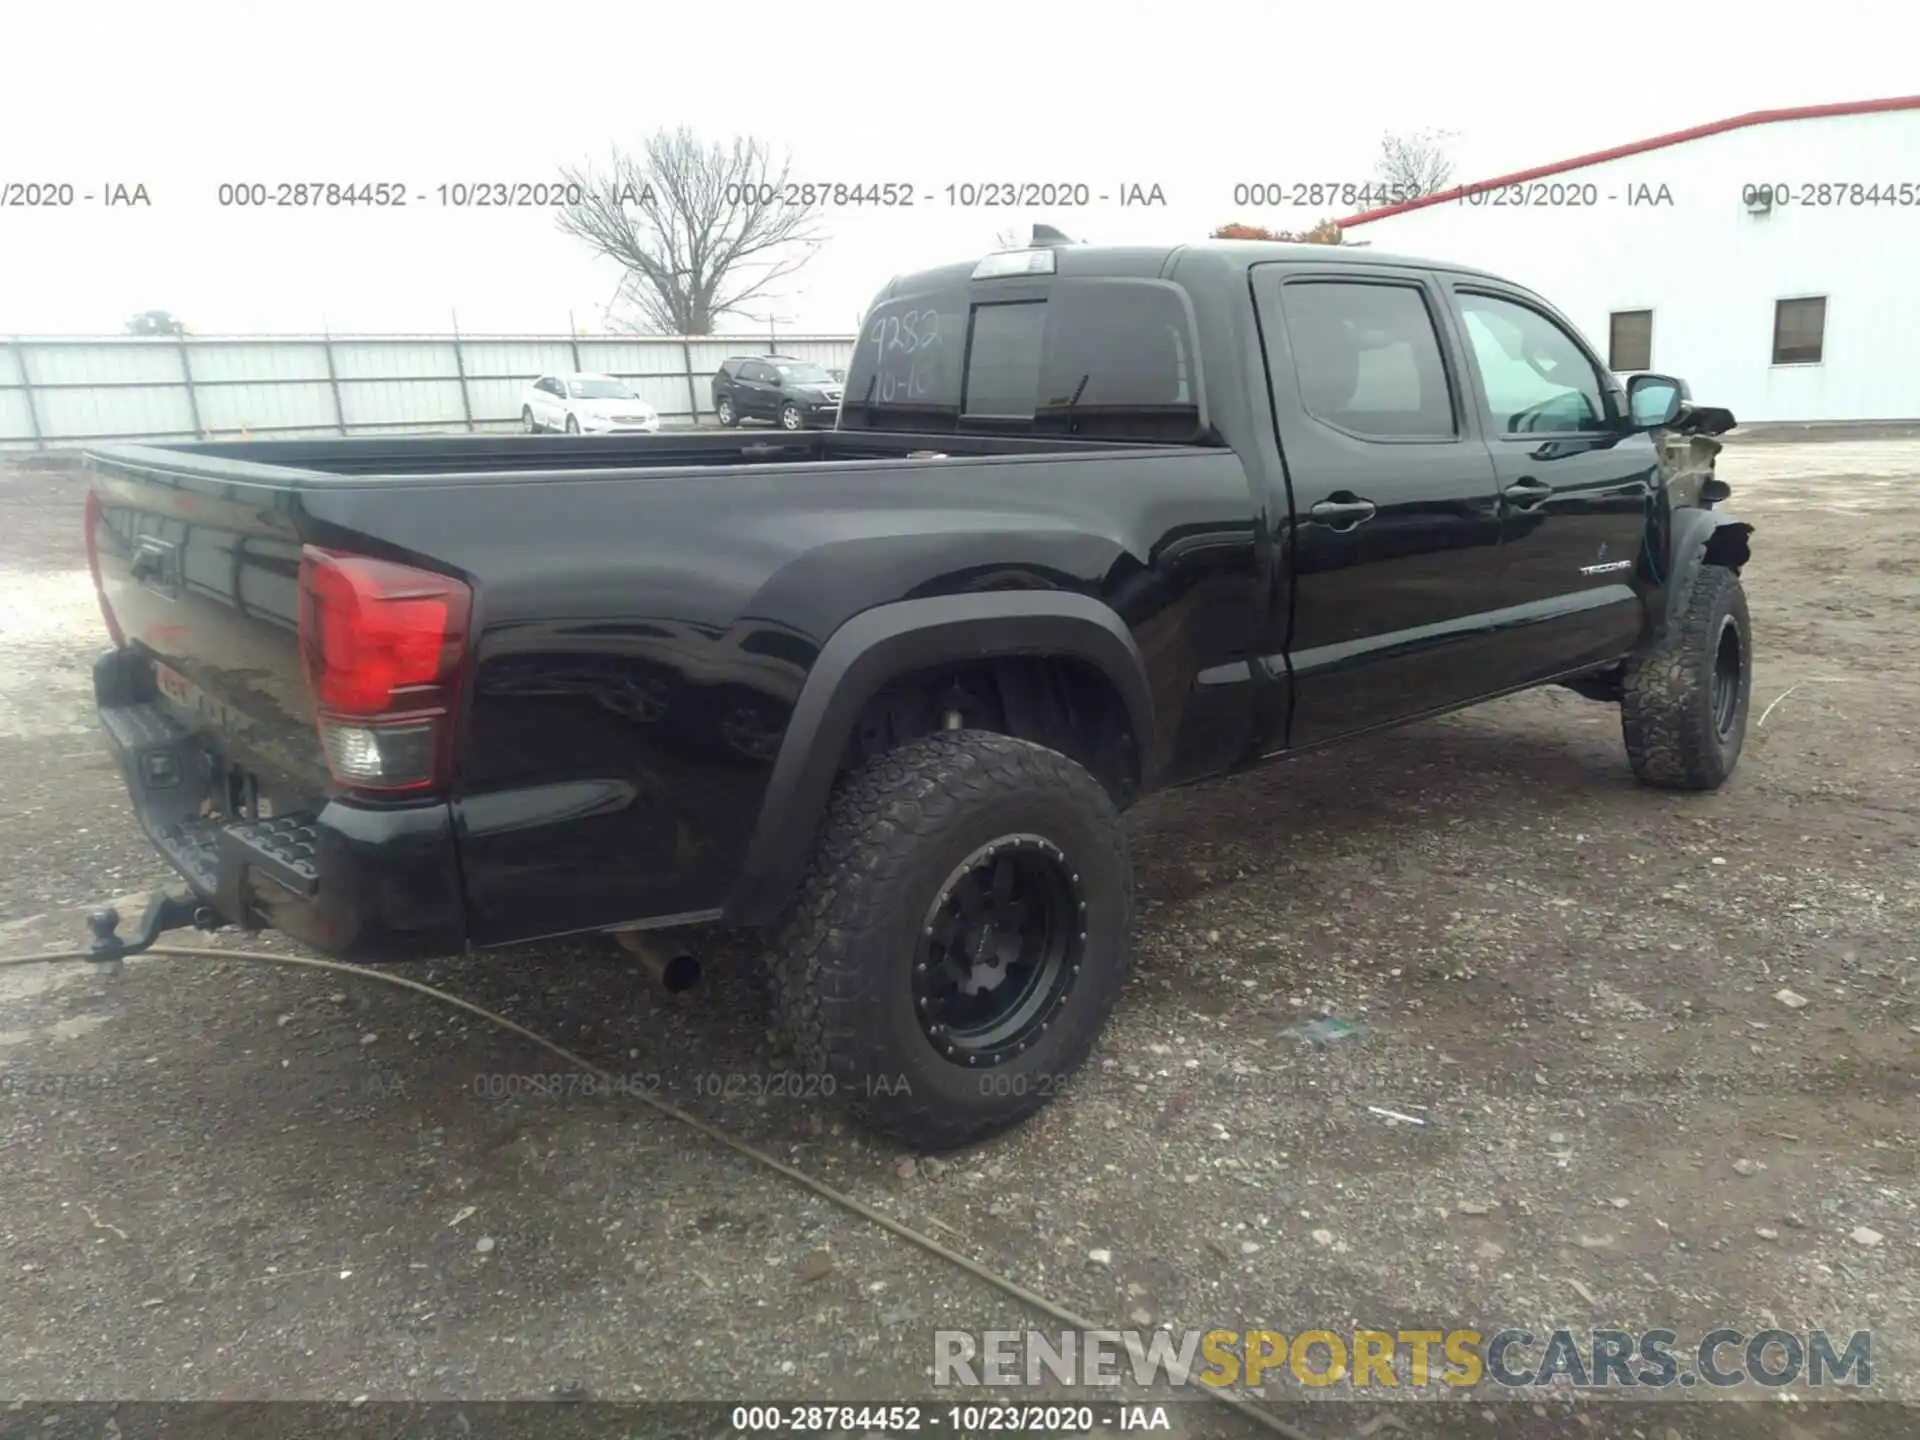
(355, 882)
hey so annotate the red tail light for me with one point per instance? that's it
(384, 646)
(93, 521)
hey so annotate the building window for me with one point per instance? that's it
(1630, 341)
(1799, 328)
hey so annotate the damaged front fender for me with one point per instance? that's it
(1688, 450)
(1699, 534)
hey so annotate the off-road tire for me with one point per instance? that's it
(1668, 715)
(841, 968)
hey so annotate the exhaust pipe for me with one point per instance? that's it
(669, 965)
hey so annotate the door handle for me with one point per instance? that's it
(1343, 514)
(1527, 492)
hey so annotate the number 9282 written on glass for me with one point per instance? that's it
(909, 347)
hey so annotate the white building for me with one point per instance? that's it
(1772, 260)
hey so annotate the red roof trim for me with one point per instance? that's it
(1638, 147)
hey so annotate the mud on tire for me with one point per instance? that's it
(1684, 705)
(908, 929)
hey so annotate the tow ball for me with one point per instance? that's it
(164, 912)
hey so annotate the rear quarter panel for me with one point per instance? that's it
(642, 641)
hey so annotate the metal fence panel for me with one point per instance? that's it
(707, 354)
(15, 418)
(75, 413)
(228, 363)
(367, 359)
(389, 404)
(57, 391)
(103, 362)
(630, 357)
(524, 361)
(497, 401)
(829, 355)
(266, 408)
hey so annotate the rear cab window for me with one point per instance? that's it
(1090, 358)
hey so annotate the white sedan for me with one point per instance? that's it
(585, 404)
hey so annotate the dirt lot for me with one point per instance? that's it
(230, 1182)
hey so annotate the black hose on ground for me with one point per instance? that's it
(1006, 1285)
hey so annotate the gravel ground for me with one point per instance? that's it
(229, 1182)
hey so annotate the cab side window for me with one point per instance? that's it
(1534, 377)
(1368, 359)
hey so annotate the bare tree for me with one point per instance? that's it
(699, 229)
(156, 322)
(1415, 165)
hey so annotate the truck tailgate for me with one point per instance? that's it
(206, 707)
(207, 589)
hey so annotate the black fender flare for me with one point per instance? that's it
(890, 640)
(1701, 537)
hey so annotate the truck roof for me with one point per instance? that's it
(1147, 261)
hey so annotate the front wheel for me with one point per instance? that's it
(1684, 704)
(960, 938)
(573, 425)
(790, 417)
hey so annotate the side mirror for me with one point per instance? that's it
(1654, 401)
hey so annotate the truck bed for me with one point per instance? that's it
(645, 614)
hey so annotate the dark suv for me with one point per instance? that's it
(793, 393)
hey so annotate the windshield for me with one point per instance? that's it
(600, 390)
(805, 374)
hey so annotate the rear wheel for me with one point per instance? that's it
(960, 938)
(527, 422)
(790, 417)
(729, 417)
(1684, 705)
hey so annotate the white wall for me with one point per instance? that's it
(1711, 272)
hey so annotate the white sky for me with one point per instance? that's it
(184, 95)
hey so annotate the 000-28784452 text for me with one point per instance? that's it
(961, 195)
(398, 194)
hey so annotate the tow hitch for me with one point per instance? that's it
(164, 912)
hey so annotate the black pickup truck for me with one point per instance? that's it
(1093, 521)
